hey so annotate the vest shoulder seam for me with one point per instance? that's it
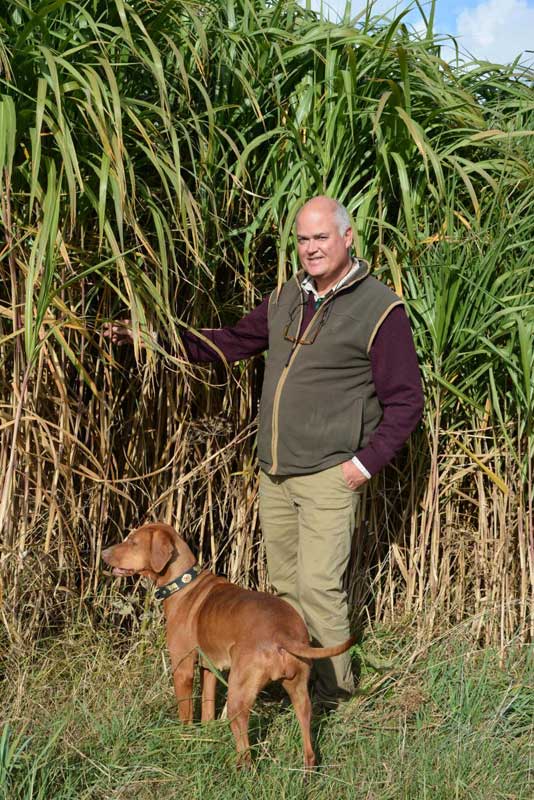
(381, 319)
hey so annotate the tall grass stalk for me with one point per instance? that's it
(152, 158)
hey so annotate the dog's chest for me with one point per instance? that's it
(215, 656)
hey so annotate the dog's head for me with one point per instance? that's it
(148, 550)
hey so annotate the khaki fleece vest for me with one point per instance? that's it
(319, 403)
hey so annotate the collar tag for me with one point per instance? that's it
(178, 583)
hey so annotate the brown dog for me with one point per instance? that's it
(258, 636)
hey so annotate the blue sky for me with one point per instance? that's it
(493, 30)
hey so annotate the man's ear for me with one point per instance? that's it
(161, 549)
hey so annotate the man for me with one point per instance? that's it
(341, 395)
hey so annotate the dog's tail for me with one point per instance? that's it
(307, 651)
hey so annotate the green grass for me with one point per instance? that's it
(92, 715)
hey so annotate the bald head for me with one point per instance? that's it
(327, 207)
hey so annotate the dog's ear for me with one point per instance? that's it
(161, 549)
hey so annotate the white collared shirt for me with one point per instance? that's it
(308, 284)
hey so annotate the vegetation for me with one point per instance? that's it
(152, 158)
(438, 722)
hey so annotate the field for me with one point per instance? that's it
(92, 717)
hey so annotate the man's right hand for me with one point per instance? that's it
(120, 332)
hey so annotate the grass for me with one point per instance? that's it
(91, 714)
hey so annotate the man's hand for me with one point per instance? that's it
(119, 332)
(353, 476)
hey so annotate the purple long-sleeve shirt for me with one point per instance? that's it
(393, 364)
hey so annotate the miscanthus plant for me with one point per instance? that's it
(152, 159)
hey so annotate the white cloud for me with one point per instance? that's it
(497, 30)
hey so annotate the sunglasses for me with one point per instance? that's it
(325, 310)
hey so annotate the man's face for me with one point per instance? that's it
(323, 251)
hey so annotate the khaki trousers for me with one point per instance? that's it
(307, 523)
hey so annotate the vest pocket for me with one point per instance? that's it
(325, 432)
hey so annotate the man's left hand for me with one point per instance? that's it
(353, 476)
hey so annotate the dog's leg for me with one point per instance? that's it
(297, 689)
(183, 686)
(209, 683)
(242, 692)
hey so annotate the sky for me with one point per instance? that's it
(492, 30)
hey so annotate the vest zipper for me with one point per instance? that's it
(282, 380)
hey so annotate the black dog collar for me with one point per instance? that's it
(178, 583)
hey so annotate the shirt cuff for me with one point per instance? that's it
(358, 463)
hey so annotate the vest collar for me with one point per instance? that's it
(178, 583)
(356, 275)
